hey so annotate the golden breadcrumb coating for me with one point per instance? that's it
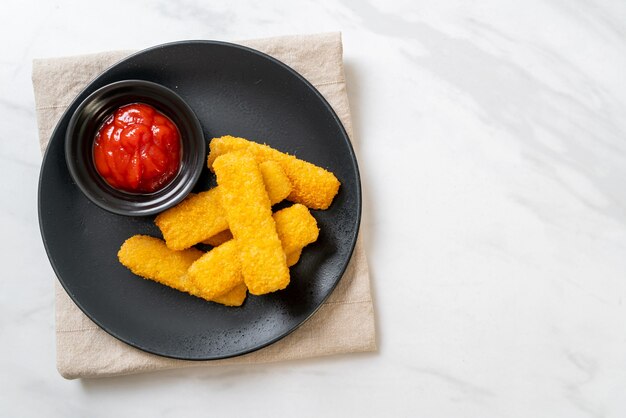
(313, 186)
(215, 276)
(234, 297)
(296, 228)
(151, 259)
(219, 238)
(219, 270)
(293, 258)
(194, 219)
(249, 214)
(276, 182)
(200, 216)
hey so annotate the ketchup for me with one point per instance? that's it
(137, 149)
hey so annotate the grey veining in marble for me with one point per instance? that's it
(492, 144)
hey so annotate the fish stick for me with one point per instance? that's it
(249, 214)
(288, 223)
(200, 216)
(313, 186)
(234, 297)
(219, 270)
(150, 258)
(278, 188)
(196, 218)
(219, 238)
(296, 228)
(276, 182)
(293, 258)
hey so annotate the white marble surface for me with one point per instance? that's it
(492, 143)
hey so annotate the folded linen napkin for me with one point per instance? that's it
(344, 323)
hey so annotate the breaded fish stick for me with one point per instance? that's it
(200, 216)
(276, 182)
(296, 220)
(293, 258)
(313, 186)
(200, 275)
(219, 239)
(197, 217)
(234, 297)
(296, 228)
(249, 213)
(150, 258)
(219, 270)
(278, 188)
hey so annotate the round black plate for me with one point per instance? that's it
(233, 90)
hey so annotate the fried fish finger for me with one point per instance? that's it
(219, 238)
(219, 270)
(249, 213)
(234, 297)
(276, 182)
(196, 218)
(151, 259)
(293, 258)
(313, 186)
(200, 216)
(296, 228)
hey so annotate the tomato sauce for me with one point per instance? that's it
(137, 149)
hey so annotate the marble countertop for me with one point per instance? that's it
(492, 143)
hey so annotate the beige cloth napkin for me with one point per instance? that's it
(345, 323)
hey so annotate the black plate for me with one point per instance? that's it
(233, 90)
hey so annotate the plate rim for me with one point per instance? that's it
(352, 155)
